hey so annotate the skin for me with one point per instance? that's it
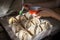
(45, 13)
(49, 13)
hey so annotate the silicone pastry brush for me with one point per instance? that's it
(21, 11)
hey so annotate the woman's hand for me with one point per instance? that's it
(46, 13)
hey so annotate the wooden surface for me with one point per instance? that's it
(3, 34)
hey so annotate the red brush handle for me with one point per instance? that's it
(34, 11)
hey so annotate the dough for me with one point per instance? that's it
(26, 27)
